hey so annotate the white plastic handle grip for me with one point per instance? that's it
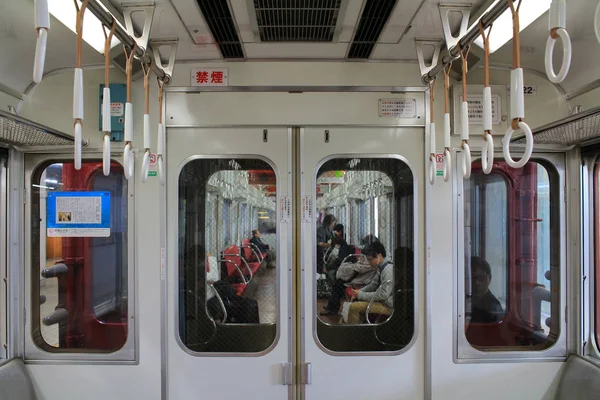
(42, 17)
(161, 170)
(517, 96)
(78, 94)
(106, 122)
(77, 155)
(128, 122)
(466, 165)
(146, 131)
(487, 154)
(432, 171)
(447, 142)
(106, 155)
(432, 138)
(558, 14)
(40, 55)
(128, 161)
(566, 61)
(597, 22)
(161, 138)
(464, 120)
(528, 146)
(145, 166)
(447, 165)
(487, 108)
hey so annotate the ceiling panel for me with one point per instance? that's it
(426, 24)
(297, 20)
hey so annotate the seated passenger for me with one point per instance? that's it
(263, 247)
(485, 307)
(380, 290)
(357, 271)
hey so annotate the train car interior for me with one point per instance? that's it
(300, 199)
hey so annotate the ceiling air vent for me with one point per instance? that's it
(372, 21)
(297, 20)
(222, 27)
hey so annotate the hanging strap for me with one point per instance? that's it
(129, 69)
(79, 30)
(107, 42)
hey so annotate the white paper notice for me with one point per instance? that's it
(307, 209)
(285, 208)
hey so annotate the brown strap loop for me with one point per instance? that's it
(486, 51)
(79, 30)
(447, 88)
(147, 71)
(465, 69)
(107, 42)
(161, 85)
(129, 68)
(516, 63)
(431, 99)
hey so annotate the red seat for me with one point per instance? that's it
(235, 269)
(250, 256)
(253, 252)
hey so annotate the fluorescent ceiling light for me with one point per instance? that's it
(65, 12)
(503, 26)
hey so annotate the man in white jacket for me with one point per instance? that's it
(381, 288)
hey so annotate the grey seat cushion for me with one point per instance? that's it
(580, 380)
(15, 383)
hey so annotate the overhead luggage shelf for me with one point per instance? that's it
(21, 132)
(575, 129)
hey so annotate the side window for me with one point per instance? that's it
(80, 299)
(512, 258)
(227, 256)
(364, 255)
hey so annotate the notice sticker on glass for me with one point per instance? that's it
(78, 214)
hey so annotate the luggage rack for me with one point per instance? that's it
(576, 129)
(20, 132)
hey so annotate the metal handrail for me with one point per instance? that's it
(236, 267)
(220, 302)
(258, 258)
(453, 53)
(146, 57)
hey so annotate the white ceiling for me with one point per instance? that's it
(183, 19)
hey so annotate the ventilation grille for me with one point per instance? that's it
(18, 131)
(297, 20)
(222, 27)
(372, 21)
(575, 129)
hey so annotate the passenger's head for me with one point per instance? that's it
(367, 240)
(375, 253)
(329, 221)
(256, 233)
(481, 276)
(338, 230)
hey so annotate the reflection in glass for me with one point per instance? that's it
(512, 258)
(364, 254)
(79, 284)
(227, 253)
